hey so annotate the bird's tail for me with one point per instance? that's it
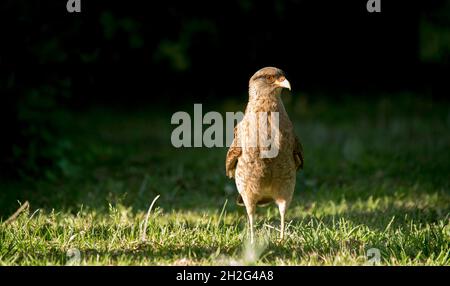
(239, 201)
(261, 203)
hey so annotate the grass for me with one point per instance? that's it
(376, 180)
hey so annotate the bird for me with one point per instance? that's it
(262, 180)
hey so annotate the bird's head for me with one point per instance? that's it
(268, 81)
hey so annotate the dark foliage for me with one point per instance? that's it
(123, 53)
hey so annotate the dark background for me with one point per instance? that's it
(123, 54)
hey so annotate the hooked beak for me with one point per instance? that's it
(285, 84)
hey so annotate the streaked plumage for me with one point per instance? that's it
(263, 180)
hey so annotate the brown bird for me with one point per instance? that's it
(259, 179)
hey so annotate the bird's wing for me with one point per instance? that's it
(298, 154)
(233, 155)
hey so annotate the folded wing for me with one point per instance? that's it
(298, 154)
(234, 152)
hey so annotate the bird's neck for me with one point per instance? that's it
(269, 102)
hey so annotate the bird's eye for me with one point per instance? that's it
(270, 78)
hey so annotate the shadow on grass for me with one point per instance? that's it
(116, 152)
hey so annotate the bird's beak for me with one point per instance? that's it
(285, 84)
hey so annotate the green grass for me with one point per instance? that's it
(376, 176)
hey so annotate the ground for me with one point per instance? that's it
(376, 181)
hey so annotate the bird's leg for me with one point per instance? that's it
(251, 217)
(282, 209)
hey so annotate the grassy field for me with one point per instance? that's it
(376, 180)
